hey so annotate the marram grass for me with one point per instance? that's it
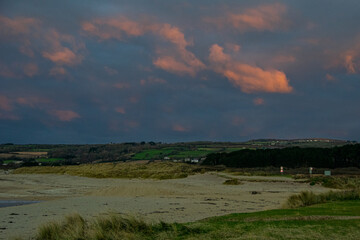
(307, 198)
(333, 220)
(156, 170)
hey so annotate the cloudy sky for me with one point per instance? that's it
(100, 71)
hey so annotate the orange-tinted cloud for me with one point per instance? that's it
(65, 115)
(233, 47)
(6, 72)
(258, 101)
(32, 101)
(9, 27)
(179, 128)
(5, 103)
(172, 65)
(121, 85)
(237, 121)
(330, 77)
(120, 110)
(63, 56)
(9, 116)
(152, 80)
(283, 59)
(267, 17)
(248, 78)
(111, 71)
(55, 71)
(114, 28)
(31, 69)
(349, 62)
(131, 124)
(181, 61)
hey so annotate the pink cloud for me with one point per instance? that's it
(181, 61)
(269, 17)
(131, 124)
(179, 128)
(32, 101)
(237, 121)
(330, 77)
(31, 69)
(120, 110)
(65, 115)
(62, 49)
(111, 71)
(152, 80)
(281, 59)
(173, 34)
(5, 103)
(114, 28)
(55, 71)
(6, 72)
(170, 64)
(134, 99)
(121, 85)
(9, 27)
(63, 56)
(9, 116)
(233, 47)
(349, 62)
(248, 78)
(25, 48)
(259, 101)
(263, 17)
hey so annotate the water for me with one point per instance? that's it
(11, 203)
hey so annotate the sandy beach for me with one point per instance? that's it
(177, 200)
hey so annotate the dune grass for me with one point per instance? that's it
(334, 220)
(232, 181)
(307, 198)
(338, 182)
(156, 170)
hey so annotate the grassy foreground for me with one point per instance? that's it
(335, 220)
(154, 170)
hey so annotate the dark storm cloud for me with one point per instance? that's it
(91, 71)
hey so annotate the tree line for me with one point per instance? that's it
(336, 157)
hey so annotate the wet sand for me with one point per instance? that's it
(177, 200)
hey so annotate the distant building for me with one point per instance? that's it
(166, 158)
(195, 160)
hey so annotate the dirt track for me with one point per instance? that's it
(180, 200)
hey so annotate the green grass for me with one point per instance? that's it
(173, 152)
(49, 160)
(152, 154)
(9, 161)
(335, 220)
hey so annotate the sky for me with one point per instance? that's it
(173, 71)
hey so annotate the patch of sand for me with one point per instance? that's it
(176, 200)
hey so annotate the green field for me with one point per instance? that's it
(335, 220)
(9, 161)
(174, 153)
(49, 160)
(152, 154)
